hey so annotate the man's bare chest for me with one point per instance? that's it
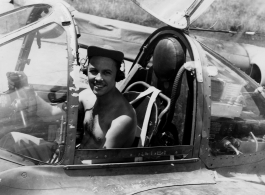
(96, 125)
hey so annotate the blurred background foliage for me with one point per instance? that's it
(242, 15)
(238, 15)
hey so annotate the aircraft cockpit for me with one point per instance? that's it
(198, 116)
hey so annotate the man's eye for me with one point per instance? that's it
(107, 73)
(93, 72)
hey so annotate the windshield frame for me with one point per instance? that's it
(14, 12)
(63, 18)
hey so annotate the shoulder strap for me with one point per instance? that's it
(154, 91)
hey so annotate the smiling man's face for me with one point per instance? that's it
(101, 75)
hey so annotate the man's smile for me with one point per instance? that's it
(98, 85)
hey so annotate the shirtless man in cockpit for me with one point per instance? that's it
(105, 117)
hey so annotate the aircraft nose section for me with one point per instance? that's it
(9, 161)
(31, 180)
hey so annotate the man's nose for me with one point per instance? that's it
(98, 77)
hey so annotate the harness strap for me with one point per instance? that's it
(154, 91)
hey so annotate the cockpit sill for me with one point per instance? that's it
(130, 164)
(173, 154)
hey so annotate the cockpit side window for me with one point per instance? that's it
(237, 112)
(32, 120)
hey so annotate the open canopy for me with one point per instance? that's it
(176, 13)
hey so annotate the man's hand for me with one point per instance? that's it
(25, 95)
(17, 80)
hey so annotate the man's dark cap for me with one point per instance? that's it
(105, 51)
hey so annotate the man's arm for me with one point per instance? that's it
(86, 102)
(48, 112)
(121, 132)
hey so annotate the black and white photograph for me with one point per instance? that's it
(132, 97)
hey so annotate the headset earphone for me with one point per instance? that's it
(120, 75)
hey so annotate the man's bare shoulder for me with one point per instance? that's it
(126, 114)
(125, 107)
(122, 111)
(87, 98)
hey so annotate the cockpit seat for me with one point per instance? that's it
(168, 57)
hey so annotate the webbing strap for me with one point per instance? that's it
(143, 94)
(147, 116)
(153, 97)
